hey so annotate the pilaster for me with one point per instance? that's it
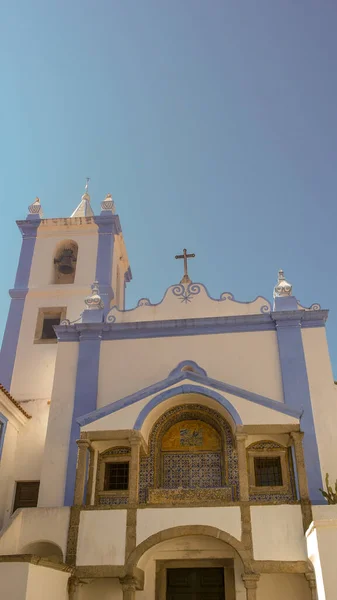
(250, 582)
(106, 229)
(18, 295)
(91, 470)
(135, 443)
(128, 585)
(242, 464)
(296, 390)
(297, 438)
(83, 446)
(85, 400)
(311, 579)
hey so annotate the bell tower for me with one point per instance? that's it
(60, 259)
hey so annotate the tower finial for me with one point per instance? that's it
(108, 205)
(283, 287)
(35, 209)
(87, 179)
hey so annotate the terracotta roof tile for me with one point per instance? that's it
(10, 397)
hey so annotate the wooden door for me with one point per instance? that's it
(195, 584)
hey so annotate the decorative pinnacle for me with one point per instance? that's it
(87, 179)
(35, 208)
(283, 287)
(108, 204)
(94, 301)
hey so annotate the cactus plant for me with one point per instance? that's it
(330, 495)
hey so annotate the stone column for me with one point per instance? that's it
(135, 441)
(297, 437)
(128, 584)
(83, 446)
(310, 577)
(242, 464)
(90, 475)
(250, 582)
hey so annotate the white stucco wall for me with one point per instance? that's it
(13, 580)
(321, 543)
(323, 394)
(152, 520)
(34, 364)
(250, 412)
(278, 586)
(49, 235)
(7, 462)
(34, 367)
(57, 442)
(278, 533)
(101, 537)
(30, 525)
(46, 583)
(102, 589)
(248, 360)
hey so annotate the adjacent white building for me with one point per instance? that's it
(174, 451)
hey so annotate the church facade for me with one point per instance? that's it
(174, 451)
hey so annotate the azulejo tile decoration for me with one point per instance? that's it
(202, 472)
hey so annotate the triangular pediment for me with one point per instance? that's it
(243, 407)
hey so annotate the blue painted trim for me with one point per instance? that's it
(106, 230)
(10, 341)
(128, 275)
(188, 363)
(186, 389)
(202, 326)
(18, 294)
(189, 376)
(29, 233)
(297, 393)
(3, 421)
(85, 400)
(285, 303)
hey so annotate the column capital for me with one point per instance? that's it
(296, 436)
(240, 436)
(128, 583)
(250, 580)
(83, 443)
(135, 438)
(311, 579)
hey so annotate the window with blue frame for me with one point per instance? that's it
(3, 425)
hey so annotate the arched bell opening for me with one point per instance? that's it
(65, 260)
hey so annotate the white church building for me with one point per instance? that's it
(174, 451)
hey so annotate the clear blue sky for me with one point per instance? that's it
(212, 122)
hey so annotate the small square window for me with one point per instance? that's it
(47, 319)
(116, 476)
(268, 471)
(48, 332)
(26, 494)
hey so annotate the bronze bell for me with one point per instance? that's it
(65, 263)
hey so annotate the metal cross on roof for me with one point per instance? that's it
(185, 256)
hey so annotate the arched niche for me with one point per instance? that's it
(191, 454)
(64, 262)
(44, 549)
